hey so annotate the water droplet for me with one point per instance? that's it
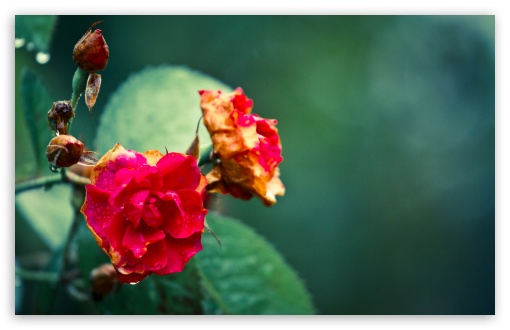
(42, 58)
(30, 46)
(133, 283)
(54, 169)
(19, 42)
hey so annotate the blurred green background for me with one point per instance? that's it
(388, 132)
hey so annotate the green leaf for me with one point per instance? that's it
(48, 212)
(246, 275)
(36, 104)
(180, 292)
(172, 294)
(156, 108)
(139, 299)
(35, 29)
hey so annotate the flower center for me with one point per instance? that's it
(144, 227)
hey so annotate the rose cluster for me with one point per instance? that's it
(146, 210)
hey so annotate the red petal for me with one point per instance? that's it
(131, 278)
(115, 232)
(134, 206)
(149, 177)
(136, 240)
(179, 171)
(98, 212)
(241, 102)
(152, 215)
(183, 212)
(179, 251)
(113, 161)
(156, 256)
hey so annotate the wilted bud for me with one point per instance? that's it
(92, 90)
(64, 150)
(91, 51)
(59, 116)
(103, 281)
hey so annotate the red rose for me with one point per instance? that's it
(145, 211)
(247, 146)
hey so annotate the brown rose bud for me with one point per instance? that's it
(91, 51)
(103, 281)
(64, 150)
(59, 116)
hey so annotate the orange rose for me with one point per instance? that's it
(247, 148)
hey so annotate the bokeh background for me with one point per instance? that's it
(388, 132)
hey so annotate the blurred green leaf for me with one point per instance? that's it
(48, 212)
(246, 275)
(36, 104)
(180, 292)
(89, 254)
(43, 293)
(139, 299)
(18, 293)
(35, 29)
(156, 108)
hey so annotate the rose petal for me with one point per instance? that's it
(179, 251)
(115, 159)
(179, 171)
(152, 215)
(134, 206)
(137, 240)
(131, 278)
(97, 210)
(183, 212)
(156, 257)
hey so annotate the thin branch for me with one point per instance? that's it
(45, 181)
(48, 181)
(32, 275)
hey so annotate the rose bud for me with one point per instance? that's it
(103, 281)
(64, 150)
(59, 116)
(91, 51)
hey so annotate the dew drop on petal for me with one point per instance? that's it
(42, 58)
(19, 42)
(133, 283)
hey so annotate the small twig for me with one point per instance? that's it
(48, 181)
(31, 275)
(45, 181)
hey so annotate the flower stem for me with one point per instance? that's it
(32, 275)
(45, 181)
(48, 181)
(79, 84)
